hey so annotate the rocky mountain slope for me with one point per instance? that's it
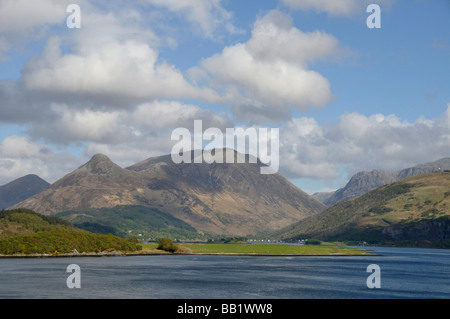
(21, 189)
(364, 182)
(230, 199)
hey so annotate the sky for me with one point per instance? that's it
(345, 97)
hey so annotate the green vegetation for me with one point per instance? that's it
(64, 241)
(227, 240)
(379, 210)
(272, 249)
(414, 211)
(26, 232)
(262, 249)
(131, 220)
(313, 242)
(28, 221)
(167, 245)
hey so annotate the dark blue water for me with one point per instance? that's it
(405, 273)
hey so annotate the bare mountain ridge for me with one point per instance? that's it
(363, 182)
(231, 199)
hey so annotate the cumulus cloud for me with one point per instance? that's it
(358, 142)
(18, 16)
(112, 60)
(171, 114)
(275, 38)
(20, 156)
(15, 146)
(271, 69)
(66, 126)
(20, 19)
(88, 76)
(108, 71)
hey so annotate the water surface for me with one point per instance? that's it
(405, 273)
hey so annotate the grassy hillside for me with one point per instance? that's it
(26, 232)
(412, 211)
(130, 220)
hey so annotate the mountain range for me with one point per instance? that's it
(158, 197)
(364, 182)
(229, 199)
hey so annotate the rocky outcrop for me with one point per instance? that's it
(438, 229)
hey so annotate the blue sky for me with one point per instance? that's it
(345, 97)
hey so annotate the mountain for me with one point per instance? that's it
(98, 183)
(361, 183)
(414, 210)
(364, 182)
(229, 199)
(20, 189)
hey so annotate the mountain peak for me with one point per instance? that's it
(100, 164)
(100, 157)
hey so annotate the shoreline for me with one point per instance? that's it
(162, 253)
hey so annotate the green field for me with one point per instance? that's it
(265, 249)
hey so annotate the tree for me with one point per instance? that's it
(167, 245)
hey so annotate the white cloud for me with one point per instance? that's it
(275, 38)
(15, 146)
(112, 60)
(112, 70)
(22, 19)
(358, 142)
(278, 83)
(271, 69)
(19, 156)
(304, 150)
(18, 16)
(66, 126)
(207, 16)
(172, 114)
